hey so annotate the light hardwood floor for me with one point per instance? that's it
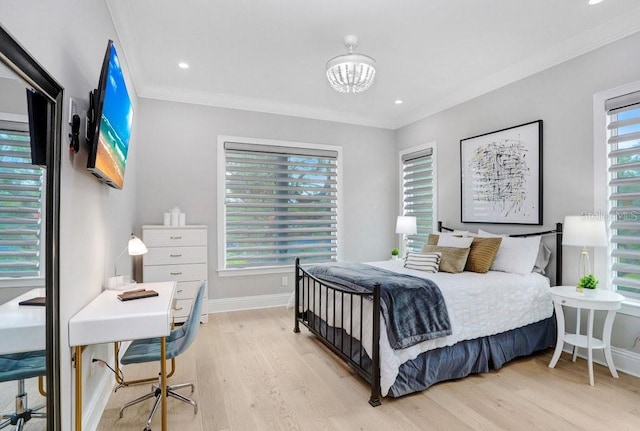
(253, 373)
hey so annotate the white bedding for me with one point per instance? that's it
(478, 305)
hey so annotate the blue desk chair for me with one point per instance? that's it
(148, 350)
(22, 366)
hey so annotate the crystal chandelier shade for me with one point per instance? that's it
(351, 72)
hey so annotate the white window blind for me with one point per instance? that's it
(280, 203)
(417, 186)
(624, 190)
(21, 185)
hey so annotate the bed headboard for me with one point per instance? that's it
(558, 245)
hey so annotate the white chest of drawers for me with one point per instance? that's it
(177, 254)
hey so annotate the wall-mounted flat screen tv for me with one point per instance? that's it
(110, 116)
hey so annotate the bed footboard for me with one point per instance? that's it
(328, 311)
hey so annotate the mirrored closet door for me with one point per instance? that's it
(30, 120)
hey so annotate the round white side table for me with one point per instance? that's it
(598, 299)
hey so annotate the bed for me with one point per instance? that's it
(491, 318)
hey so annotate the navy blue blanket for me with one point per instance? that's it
(413, 308)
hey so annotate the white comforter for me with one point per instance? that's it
(478, 304)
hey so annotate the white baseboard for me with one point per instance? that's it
(248, 302)
(92, 411)
(625, 361)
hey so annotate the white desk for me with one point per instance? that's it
(598, 299)
(107, 319)
(22, 327)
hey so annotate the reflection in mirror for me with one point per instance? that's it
(29, 236)
(22, 262)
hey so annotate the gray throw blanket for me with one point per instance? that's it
(413, 308)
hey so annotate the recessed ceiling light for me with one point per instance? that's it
(592, 2)
(398, 102)
(183, 65)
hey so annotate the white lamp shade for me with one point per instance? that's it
(136, 246)
(406, 225)
(584, 231)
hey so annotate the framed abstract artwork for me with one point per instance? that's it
(501, 179)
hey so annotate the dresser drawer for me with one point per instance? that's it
(182, 307)
(175, 255)
(174, 237)
(186, 272)
(187, 289)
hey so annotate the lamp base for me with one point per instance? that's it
(584, 267)
(120, 282)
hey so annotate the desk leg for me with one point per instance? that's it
(606, 338)
(560, 340)
(78, 364)
(163, 380)
(589, 345)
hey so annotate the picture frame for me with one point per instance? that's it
(501, 176)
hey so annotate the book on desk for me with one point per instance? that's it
(38, 300)
(136, 294)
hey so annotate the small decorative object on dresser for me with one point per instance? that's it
(178, 254)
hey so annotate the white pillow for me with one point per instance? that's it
(449, 240)
(542, 253)
(516, 255)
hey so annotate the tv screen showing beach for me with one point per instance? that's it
(115, 125)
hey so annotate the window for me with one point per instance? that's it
(623, 138)
(21, 204)
(418, 185)
(280, 202)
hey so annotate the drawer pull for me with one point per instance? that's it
(176, 273)
(178, 309)
(564, 301)
(175, 237)
(175, 255)
(179, 290)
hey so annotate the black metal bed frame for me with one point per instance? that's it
(311, 312)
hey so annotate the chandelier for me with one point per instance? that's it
(351, 72)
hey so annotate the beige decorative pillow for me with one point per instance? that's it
(453, 259)
(433, 239)
(482, 253)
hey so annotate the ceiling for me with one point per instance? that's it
(270, 55)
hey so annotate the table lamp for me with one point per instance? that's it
(135, 247)
(584, 231)
(406, 225)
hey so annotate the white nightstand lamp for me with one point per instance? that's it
(406, 225)
(584, 231)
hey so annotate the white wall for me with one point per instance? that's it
(69, 38)
(563, 98)
(177, 153)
